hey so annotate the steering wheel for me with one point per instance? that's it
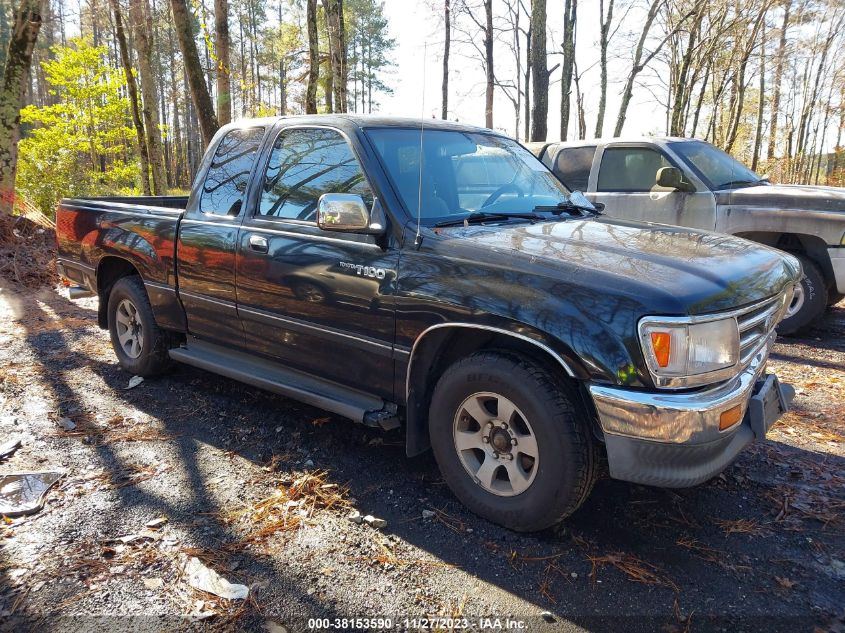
(502, 190)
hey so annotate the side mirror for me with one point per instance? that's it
(347, 213)
(672, 178)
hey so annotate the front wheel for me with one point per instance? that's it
(809, 300)
(510, 444)
(140, 345)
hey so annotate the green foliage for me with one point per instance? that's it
(81, 144)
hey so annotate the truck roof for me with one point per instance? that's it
(364, 121)
(606, 140)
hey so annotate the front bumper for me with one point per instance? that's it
(673, 439)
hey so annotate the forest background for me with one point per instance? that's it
(103, 97)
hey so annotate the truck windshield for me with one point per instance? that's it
(716, 168)
(464, 172)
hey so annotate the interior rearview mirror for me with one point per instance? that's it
(673, 178)
(346, 212)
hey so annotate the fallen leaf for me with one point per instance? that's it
(134, 382)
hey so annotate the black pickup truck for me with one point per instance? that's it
(442, 280)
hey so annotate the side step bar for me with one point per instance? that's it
(258, 372)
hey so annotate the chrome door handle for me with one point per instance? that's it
(258, 244)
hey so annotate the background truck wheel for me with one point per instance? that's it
(140, 345)
(512, 446)
(809, 301)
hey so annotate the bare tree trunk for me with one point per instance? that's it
(579, 104)
(335, 30)
(779, 63)
(444, 108)
(570, 12)
(341, 90)
(488, 56)
(24, 32)
(331, 37)
(527, 82)
(196, 80)
(700, 102)
(149, 92)
(224, 78)
(539, 72)
(604, 24)
(132, 89)
(761, 105)
(313, 58)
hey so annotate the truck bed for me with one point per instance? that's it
(139, 230)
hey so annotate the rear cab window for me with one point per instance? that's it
(572, 165)
(227, 178)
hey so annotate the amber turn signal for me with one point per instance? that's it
(660, 343)
(730, 417)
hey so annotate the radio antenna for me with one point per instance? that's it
(418, 238)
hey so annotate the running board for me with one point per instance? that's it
(264, 374)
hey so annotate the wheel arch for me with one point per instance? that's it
(439, 346)
(109, 270)
(812, 246)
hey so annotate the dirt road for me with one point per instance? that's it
(258, 488)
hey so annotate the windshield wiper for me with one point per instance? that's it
(739, 183)
(569, 207)
(487, 216)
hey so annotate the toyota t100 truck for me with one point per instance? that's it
(437, 277)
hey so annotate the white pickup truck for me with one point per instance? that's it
(688, 182)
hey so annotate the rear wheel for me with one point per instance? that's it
(510, 444)
(140, 345)
(808, 302)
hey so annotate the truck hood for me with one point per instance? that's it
(667, 269)
(801, 197)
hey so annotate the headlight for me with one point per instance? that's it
(680, 352)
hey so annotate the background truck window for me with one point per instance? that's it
(228, 176)
(630, 169)
(573, 166)
(305, 164)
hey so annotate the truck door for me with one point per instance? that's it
(317, 301)
(208, 238)
(626, 183)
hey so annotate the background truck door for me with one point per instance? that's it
(626, 183)
(316, 300)
(208, 238)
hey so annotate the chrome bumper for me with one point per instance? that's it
(673, 439)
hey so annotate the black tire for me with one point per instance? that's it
(812, 299)
(154, 343)
(567, 466)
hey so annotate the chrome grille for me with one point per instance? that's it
(756, 323)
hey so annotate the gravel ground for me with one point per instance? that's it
(259, 488)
